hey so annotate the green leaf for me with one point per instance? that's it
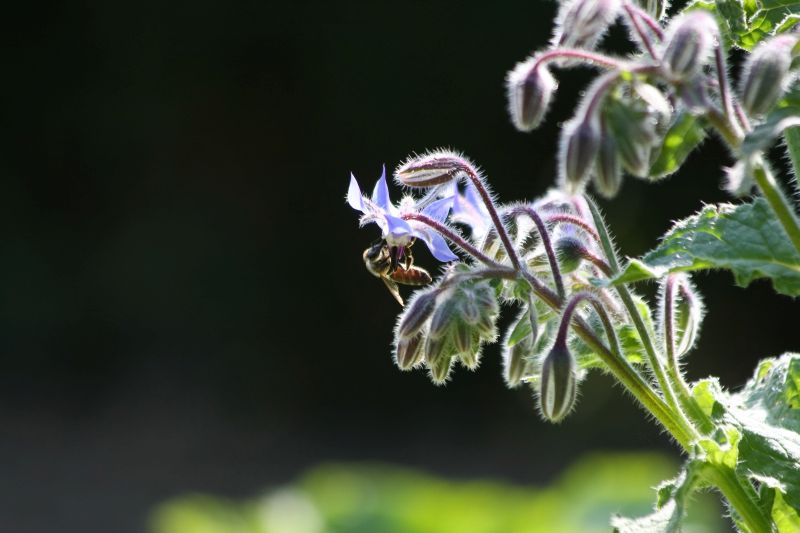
(683, 136)
(767, 409)
(746, 239)
(745, 23)
(786, 518)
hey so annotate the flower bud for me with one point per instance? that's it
(582, 23)
(409, 352)
(580, 142)
(629, 126)
(515, 361)
(436, 348)
(689, 313)
(434, 168)
(607, 176)
(416, 314)
(529, 89)
(766, 74)
(558, 388)
(690, 41)
(462, 336)
(570, 251)
(444, 315)
(440, 368)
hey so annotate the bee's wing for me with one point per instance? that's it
(392, 286)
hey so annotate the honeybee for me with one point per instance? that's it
(393, 265)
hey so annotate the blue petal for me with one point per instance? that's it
(354, 195)
(396, 227)
(380, 195)
(438, 247)
(439, 209)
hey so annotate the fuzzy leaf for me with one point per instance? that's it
(745, 23)
(746, 239)
(768, 410)
(683, 136)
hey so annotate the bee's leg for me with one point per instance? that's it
(409, 258)
(394, 254)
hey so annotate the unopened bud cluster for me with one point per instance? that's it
(440, 325)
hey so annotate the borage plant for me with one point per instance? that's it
(554, 259)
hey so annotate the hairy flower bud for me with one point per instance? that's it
(462, 337)
(689, 312)
(582, 23)
(607, 175)
(580, 142)
(766, 74)
(689, 43)
(443, 315)
(416, 314)
(570, 251)
(637, 118)
(440, 368)
(558, 389)
(409, 352)
(529, 89)
(434, 168)
(515, 362)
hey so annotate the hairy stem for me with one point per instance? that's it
(498, 224)
(643, 37)
(742, 497)
(673, 365)
(621, 369)
(546, 243)
(779, 203)
(644, 334)
(582, 55)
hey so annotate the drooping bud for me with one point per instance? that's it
(409, 352)
(582, 23)
(689, 314)
(434, 168)
(654, 8)
(607, 175)
(440, 368)
(691, 38)
(558, 389)
(443, 315)
(437, 348)
(570, 251)
(515, 362)
(416, 313)
(580, 142)
(766, 74)
(637, 117)
(462, 337)
(529, 89)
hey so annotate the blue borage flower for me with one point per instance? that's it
(379, 209)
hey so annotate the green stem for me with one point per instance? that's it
(778, 201)
(739, 492)
(620, 368)
(644, 334)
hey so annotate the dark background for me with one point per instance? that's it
(183, 303)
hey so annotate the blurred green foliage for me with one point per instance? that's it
(372, 498)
